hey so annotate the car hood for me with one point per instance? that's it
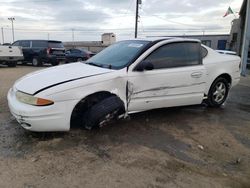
(38, 81)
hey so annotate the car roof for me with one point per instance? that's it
(40, 40)
(159, 39)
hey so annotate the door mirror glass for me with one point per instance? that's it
(144, 65)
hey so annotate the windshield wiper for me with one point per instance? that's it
(94, 64)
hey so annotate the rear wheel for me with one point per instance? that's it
(36, 62)
(55, 63)
(103, 112)
(218, 92)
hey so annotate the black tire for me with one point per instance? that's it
(36, 62)
(55, 63)
(12, 64)
(213, 100)
(103, 112)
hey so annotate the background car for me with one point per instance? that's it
(76, 55)
(39, 52)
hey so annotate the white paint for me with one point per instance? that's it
(13, 52)
(146, 90)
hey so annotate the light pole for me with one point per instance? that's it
(73, 36)
(2, 34)
(12, 19)
(138, 2)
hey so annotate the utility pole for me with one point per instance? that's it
(48, 36)
(246, 41)
(73, 35)
(12, 19)
(2, 34)
(136, 16)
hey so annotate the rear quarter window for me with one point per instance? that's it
(204, 52)
(39, 44)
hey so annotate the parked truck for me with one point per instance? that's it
(10, 55)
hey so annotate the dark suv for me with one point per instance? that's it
(38, 52)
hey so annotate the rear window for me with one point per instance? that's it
(39, 44)
(56, 45)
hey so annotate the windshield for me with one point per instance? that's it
(118, 55)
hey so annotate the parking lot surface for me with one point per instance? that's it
(192, 146)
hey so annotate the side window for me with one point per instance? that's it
(176, 55)
(203, 52)
(25, 44)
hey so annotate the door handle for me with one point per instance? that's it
(196, 74)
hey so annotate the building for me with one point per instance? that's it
(216, 42)
(240, 35)
(93, 46)
(236, 36)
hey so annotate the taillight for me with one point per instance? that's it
(48, 51)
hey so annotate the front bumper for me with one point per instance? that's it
(55, 117)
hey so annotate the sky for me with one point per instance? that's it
(88, 19)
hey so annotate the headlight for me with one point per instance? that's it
(29, 99)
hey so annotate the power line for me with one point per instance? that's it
(30, 1)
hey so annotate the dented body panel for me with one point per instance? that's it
(67, 85)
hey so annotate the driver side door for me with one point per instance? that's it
(177, 79)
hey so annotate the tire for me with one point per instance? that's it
(36, 62)
(55, 63)
(79, 59)
(12, 64)
(218, 92)
(103, 112)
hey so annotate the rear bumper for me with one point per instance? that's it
(10, 59)
(54, 58)
(55, 117)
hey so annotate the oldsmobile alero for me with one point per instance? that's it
(129, 76)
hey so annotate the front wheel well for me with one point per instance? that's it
(84, 104)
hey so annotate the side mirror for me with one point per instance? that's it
(144, 65)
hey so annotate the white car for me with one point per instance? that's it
(10, 55)
(129, 76)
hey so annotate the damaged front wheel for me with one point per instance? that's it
(103, 112)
